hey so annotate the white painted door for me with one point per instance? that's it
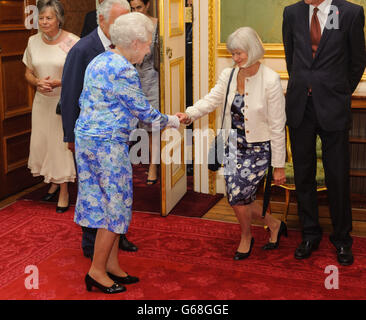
(172, 91)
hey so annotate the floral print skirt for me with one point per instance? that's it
(104, 184)
(251, 161)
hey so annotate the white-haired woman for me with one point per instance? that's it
(255, 110)
(111, 104)
(44, 58)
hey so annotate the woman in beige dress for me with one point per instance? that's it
(44, 58)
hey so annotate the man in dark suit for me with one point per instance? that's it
(325, 55)
(85, 50)
(90, 22)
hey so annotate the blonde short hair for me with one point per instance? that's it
(246, 39)
(130, 27)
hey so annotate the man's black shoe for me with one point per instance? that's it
(345, 256)
(189, 169)
(88, 255)
(126, 245)
(305, 249)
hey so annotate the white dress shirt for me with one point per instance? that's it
(105, 41)
(324, 9)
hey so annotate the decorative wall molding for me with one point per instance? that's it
(212, 76)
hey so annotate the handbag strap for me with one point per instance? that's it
(227, 93)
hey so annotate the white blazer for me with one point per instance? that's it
(264, 110)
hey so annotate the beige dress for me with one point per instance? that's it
(49, 155)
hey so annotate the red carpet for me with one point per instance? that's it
(147, 198)
(178, 258)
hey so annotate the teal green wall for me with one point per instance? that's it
(265, 16)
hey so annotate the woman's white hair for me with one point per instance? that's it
(130, 27)
(105, 7)
(246, 39)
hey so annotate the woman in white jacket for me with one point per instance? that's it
(256, 111)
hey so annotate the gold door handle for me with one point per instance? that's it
(169, 52)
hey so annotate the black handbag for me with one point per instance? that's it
(216, 151)
(58, 108)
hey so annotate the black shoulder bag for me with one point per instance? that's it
(58, 108)
(216, 151)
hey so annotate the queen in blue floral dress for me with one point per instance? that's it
(111, 104)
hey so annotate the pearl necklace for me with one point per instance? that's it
(48, 38)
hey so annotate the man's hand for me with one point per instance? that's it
(71, 146)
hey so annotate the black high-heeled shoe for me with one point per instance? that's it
(50, 196)
(243, 255)
(115, 288)
(123, 280)
(275, 245)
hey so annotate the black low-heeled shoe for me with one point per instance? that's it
(123, 280)
(62, 209)
(115, 288)
(275, 245)
(50, 196)
(244, 255)
(151, 182)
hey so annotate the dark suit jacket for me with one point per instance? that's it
(78, 58)
(90, 23)
(333, 74)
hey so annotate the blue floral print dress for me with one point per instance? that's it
(251, 160)
(111, 104)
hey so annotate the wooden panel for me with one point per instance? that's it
(12, 12)
(12, 126)
(357, 140)
(359, 103)
(75, 12)
(15, 100)
(358, 172)
(358, 146)
(14, 82)
(358, 184)
(13, 42)
(16, 151)
(358, 158)
(358, 127)
(17, 180)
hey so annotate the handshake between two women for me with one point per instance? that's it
(177, 119)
